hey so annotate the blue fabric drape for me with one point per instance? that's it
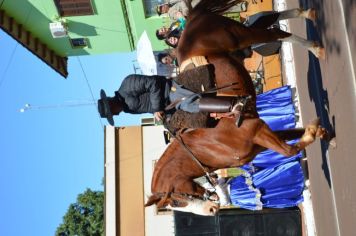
(271, 180)
(275, 107)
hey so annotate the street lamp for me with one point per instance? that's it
(28, 106)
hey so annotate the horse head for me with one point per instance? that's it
(199, 205)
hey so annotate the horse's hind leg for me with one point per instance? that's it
(297, 13)
(246, 37)
(310, 14)
(312, 46)
(274, 34)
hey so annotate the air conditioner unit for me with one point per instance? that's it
(58, 29)
(147, 121)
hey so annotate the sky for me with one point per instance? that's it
(51, 153)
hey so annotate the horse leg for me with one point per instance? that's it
(245, 37)
(312, 131)
(256, 35)
(275, 140)
(265, 137)
(274, 34)
(297, 13)
(310, 14)
(290, 134)
(312, 46)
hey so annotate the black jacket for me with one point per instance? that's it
(144, 94)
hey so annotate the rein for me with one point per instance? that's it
(221, 88)
(193, 157)
(185, 195)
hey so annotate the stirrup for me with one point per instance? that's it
(240, 108)
(233, 114)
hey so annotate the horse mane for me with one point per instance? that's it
(218, 7)
(157, 198)
(165, 157)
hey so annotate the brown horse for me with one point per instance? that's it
(226, 145)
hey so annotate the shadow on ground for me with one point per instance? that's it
(317, 93)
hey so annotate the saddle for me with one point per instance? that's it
(197, 76)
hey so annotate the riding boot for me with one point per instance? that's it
(218, 104)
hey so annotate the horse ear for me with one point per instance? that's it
(163, 201)
(152, 200)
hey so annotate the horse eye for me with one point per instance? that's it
(175, 203)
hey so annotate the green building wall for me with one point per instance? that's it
(115, 26)
(140, 22)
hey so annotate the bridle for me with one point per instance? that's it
(190, 197)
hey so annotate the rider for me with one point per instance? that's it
(151, 94)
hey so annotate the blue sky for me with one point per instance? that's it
(50, 155)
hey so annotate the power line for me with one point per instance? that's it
(90, 89)
(3, 76)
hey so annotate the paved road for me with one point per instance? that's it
(327, 89)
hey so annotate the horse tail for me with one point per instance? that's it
(189, 5)
(218, 7)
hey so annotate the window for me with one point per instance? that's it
(74, 7)
(147, 121)
(150, 7)
(79, 42)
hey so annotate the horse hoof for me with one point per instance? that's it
(320, 53)
(322, 133)
(311, 15)
(332, 143)
(311, 131)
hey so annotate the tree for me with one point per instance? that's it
(85, 217)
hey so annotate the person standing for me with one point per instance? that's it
(179, 8)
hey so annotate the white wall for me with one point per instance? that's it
(153, 148)
(110, 191)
